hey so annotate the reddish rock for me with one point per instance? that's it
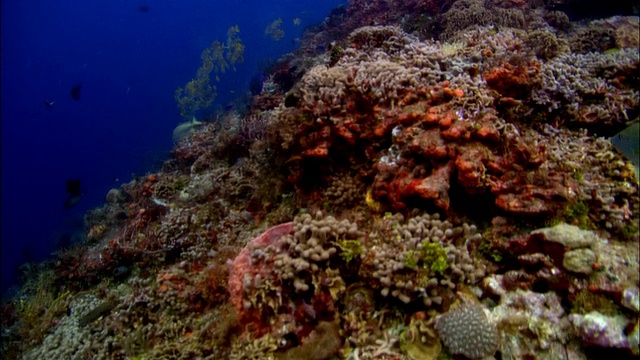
(242, 264)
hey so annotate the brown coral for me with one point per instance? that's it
(512, 82)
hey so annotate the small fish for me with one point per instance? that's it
(48, 103)
(159, 202)
(627, 142)
(143, 9)
(75, 92)
(296, 21)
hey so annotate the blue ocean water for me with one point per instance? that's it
(129, 63)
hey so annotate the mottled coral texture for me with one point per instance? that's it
(466, 330)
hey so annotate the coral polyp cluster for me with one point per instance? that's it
(466, 330)
(420, 180)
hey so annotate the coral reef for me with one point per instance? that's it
(382, 196)
(466, 13)
(69, 340)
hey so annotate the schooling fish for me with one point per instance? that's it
(627, 142)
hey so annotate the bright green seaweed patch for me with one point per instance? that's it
(586, 302)
(351, 249)
(411, 260)
(575, 213)
(434, 257)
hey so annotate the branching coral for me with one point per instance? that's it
(198, 94)
(586, 87)
(422, 258)
(465, 13)
(273, 30)
(592, 40)
(235, 47)
(344, 192)
(546, 45)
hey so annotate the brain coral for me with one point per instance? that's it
(466, 330)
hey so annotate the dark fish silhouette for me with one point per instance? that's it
(144, 8)
(75, 193)
(75, 92)
(48, 103)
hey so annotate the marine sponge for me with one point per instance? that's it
(466, 330)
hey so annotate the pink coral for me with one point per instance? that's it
(242, 266)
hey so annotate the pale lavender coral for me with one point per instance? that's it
(569, 78)
(387, 63)
(595, 329)
(539, 313)
(466, 13)
(631, 298)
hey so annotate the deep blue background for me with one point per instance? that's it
(129, 64)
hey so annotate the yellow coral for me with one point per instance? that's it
(371, 202)
(96, 231)
(274, 31)
(198, 93)
(235, 47)
(451, 49)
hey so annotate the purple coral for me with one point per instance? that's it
(466, 330)
(595, 329)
